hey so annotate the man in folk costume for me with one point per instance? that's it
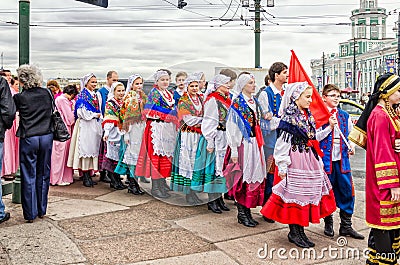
(102, 95)
(378, 131)
(112, 125)
(245, 150)
(337, 162)
(270, 100)
(304, 195)
(208, 176)
(86, 137)
(158, 144)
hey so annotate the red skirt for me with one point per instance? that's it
(150, 165)
(293, 213)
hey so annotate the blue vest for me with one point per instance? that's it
(274, 102)
(176, 97)
(104, 93)
(326, 145)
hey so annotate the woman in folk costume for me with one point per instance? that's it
(112, 125)
(158, 144)
(85, 140)
(245, 150)
(190, 113)
(378, 131)
(133, 125)
(304, 195)
(207, 175)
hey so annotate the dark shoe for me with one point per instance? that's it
(5, 218)
(346, 228)
(295, 237)
(134, 187)
(213, 207)
(120, 185)
(29, 221)
(222, 205)
(87, 180)
(268, 220)
(328, 231)
(305, 238)
(242, 216)
(227, 197)
(156, 191)
(248, 213)
(113, 183)
(164, 185)
(41, 216)
(144, 180)
(104, 176)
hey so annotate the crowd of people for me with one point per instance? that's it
(219, 138)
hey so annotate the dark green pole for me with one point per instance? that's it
(257, 32)
(24, 21)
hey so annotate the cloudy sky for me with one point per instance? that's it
(70, 38)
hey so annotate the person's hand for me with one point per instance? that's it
(395, 192)
(98, 115)
(268, 116)
(126, 141)
(105, 138)
(282, 175)
(397, 145)
(210, 150)
(333, 121)
(234, 159)
(352, 151)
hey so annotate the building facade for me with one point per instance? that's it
(362, 58)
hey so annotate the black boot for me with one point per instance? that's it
(87, 180)
(222, 205)
(294, 236)
(345, 226)
(144, 180)
(305, 238)
(155, 189)
(118, 180)
(227, 197)
(134, 187)
(212, 204)
(243, 217)
(113, 182)
(248, 213)
(104, 176)
(164, 185)
(328, 231)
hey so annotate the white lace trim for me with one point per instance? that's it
(163, 138)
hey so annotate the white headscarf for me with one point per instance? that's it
(292, 93)
(190, 79)
(131, 79)
(240, 84)
(113, 86)
(157, 75)
(216, 82)
(198, 75)
(85, 80)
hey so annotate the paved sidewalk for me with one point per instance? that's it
(101, 226)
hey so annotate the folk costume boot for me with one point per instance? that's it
(345, 228)
(212, 204)
(328, 231)
(243, 217)
(87, 179)
(248, 213)
(104, 176)
(134, 187)
(113, 183)
(121, 186)
(295, 237)
(156, 190)
(221, 204)
(164, 185)
(305, 238)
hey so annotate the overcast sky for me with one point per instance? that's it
(72, 38)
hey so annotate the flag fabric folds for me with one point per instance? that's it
(317, 107)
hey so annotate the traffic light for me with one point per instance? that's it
(181, 4)
(102, 3)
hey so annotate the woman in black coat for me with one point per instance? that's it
(34, 104)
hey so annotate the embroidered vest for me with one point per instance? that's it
(274, 100)
(327, 145)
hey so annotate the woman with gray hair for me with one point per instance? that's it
(34, 104)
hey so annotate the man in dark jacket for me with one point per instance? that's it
(7, 116)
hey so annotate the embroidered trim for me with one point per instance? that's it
(386, 164)
(390, 211)
(387, 173)
(390, 220)
(388, 181)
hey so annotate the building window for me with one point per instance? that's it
(348, 65)
(374, 33)
(371, 4)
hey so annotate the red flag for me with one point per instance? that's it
(317, 107)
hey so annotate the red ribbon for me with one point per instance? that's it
(259, 137)
(315, 144)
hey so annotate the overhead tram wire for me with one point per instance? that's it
(187, 10)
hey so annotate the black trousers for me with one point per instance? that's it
(383, 246)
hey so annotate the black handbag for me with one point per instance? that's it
(60, 131)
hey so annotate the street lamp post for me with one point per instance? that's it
(323, 69)
(354, 63)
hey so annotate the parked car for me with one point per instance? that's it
(351, 107)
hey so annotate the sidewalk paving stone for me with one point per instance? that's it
(77, 191)
(205, 258)
(124, 198)
(78, 208)
(39, 243)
